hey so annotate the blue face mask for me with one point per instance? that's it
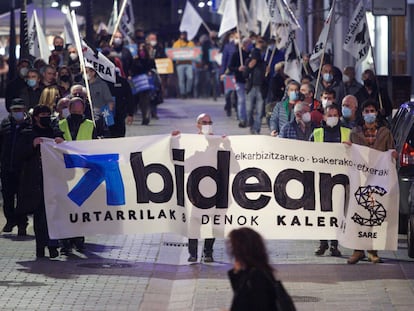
(370, 117)
(18, 115)
(31, 82)
(293, 96)
(327, 77)
(346, 112)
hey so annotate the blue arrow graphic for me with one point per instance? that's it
(102, 167)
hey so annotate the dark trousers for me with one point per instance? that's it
(334, 243)
(193, 246)
(10, 186)
(40, 228)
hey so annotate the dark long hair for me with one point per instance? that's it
(247, 247)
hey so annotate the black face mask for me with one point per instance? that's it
(45, 121)
(58, 48)
(368, 83)
(76, 117)
(65, 78)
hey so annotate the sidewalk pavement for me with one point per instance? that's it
(150, 272)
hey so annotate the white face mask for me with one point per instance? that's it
(345, 78)
(118, 41)
(153, 42)
(332, 121)
(206, 129)
(306, 117)
(326, 103)
(65, 112)
(236, 41)
(73, 56)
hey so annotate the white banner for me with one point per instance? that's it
(205, 186)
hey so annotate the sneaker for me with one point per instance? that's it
(208, 259)
(335, 252)
(192, 259)
(8, 227)
(53, 252)
(321, 249)
(66, 250)
(356, 256)
(21, 231)
(373, 257)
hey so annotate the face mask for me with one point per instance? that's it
(306, 117)
(293, 96)
(153, 42)
(331, 121)
(345, 79)
(58, 48)
(65, 112)
(346, 112)
(236, 41)
(326, 103)
(73, 56)
(23, 71)
(327, 77)
(18, 115)
(118, 41)
(65, 78)
(206, 129)
(370, 117)
(45, 121)
(88, 76)
(31, 82)
(76, 117)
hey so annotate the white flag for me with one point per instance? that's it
(253, 21)
(229, 18)
(113, 18)
(221, 7)
(357, 41)
(68, 31)
(243, 19)
(292, 59)
(191, 21)
(103, 66)
(127, 24)
(320, 46)
(263, 15)
(38, 46)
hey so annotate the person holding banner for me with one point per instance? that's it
(372, 134)
(184, 67)
(330, 132)
(76, 127)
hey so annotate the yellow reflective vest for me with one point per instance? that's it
(85, 131)
(318, 134)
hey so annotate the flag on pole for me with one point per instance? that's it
(292, 59)
(191, 21)
(243, 19)
(253, 24)
(103, 66)
(38, 46)
(113, 18)
(127, 23)
(221, 7)
(320, 46)
(357, 41)
(263, 15)
(67, 30)
(229, 18)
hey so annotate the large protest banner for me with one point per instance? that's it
(204, 186)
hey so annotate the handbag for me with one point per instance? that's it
(283, 300)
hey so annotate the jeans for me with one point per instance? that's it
(241, 101)
(255, 106)
(185, 78)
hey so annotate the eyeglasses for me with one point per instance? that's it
(205, 122)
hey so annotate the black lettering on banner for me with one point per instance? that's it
(306, 178)
(240, 188)
(221, 178)
(178, 155)
(326, 185)
(141, 173)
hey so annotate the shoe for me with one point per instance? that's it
(373, 257)
(8, 227)
(53, 252)
(208, 258)
(356, 256)
(242, 124)
(66, 250)
(40, 252)
(21, 231)
(192, 259)
(335, 252)
(321, 249)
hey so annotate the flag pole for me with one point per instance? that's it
(375, 70)
(206, 26)
(118, 21)
(82, 63)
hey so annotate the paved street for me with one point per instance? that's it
(150, 272)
